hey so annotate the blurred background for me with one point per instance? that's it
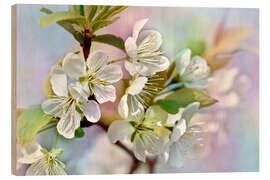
(232, 125)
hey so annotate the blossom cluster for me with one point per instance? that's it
(80, 85)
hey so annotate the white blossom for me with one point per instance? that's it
(140, 130)
(96, 74)
(140, 91)
(68, 103)
(42, 162)
(193, 72)
(185, 139)
(143, 50)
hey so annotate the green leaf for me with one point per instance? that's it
(76, 9)
(92, 13)
(79, 133)
(102, 23)
(170, 106)
(58, 16)
(111, 40)
(115, 10)
(186, 96)
(101, 12)
(29, 123)
(67, 25)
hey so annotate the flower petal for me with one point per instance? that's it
(190, 110)
(52, 106)
(59, 81)
(97, 60)
(176, 156)
(91, 110)
(152, 65)
(137, 85)
(152, 142)
(135, 109)
(196, 70)
(179, 130)
(138, 27)
(69, 123)
(149, 41)
(131, 48)
(104, 93)
(182, 60)
(119, 130)
(74, 66)
(110, 74)
(79, 92)
(123, 107)
(37, 169)
(198, 84)
(130, 67)
(139, 149)
(31, 153)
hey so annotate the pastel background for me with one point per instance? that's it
(232, 143)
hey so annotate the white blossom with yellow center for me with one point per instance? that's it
(186, 138)
(69, 103)
(140, 131)
(96, 74)
(143, 50)
(194, 72)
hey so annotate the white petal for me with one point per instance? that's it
(179, 130)
(176, 157)
(135, 109)
(96, 60)
(104, 93)
(59, 81)
(152, 142)
(38, 168)
(198, 84)
(196, 70)
(172, 118)
(123, 107)
(110, 74)
(56, 169)
(138, 27)
(149, 41)
(74, 66)
(190, 110)
(137, 85)
(131, 48)
(119, 130)
(139, 149)
(31, 153)
(91, 110)
(150, 67)
(78, 92)
(52, 106)
(69, 123)
(130, 67)
(182, 60)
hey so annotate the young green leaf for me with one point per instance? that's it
(170, 106)
(67, 25)
(111, 40)
(29, 123)
(186, 96)
(76, 9)
(58, 16)
(115, 10)
(102, 23)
